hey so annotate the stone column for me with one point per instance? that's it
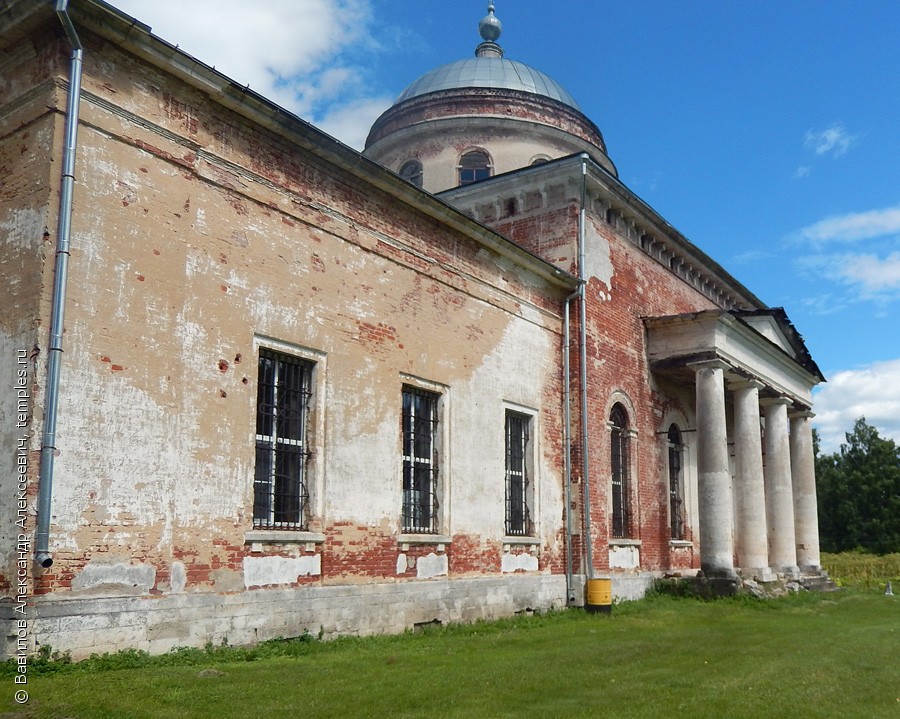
(713, 477)
(803, 481)
(779, 495)
(751, 542)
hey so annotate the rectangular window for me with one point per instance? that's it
(675, 501)
(420, 461)
(518, 481)
(620, 511)
(620, 480)
(284, 392)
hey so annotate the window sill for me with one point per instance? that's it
(257, 537)
(405, 540)
(680, 543)
(516, 541)
(624, 542)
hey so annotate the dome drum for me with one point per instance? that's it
(440, 144)
(485, 102)
(513, 111)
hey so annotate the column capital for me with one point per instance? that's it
(745, 384)
(801, 414)
(775, 401)
(714, 363)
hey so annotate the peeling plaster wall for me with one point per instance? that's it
(267, 571)
(29, 136)
(631, 285)
(200, 239)
(624, 285)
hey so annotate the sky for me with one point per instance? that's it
(767, 132)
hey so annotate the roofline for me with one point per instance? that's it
(136, 37)
(795, 338)
(737, 317)
(630, 199)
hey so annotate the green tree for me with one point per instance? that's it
(858, 491)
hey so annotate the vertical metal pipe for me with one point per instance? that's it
(584, 393)
(567, 438)
(54, 350)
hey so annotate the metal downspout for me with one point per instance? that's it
(588, 541)
(54, 351)
(567, 436)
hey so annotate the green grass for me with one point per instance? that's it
(805, 655)
(859, 570)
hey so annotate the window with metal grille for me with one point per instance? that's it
(280, 492)
(420, 467)
(412, 172)
(618, 419)
(474, 166)
(676, 491)
(518, 481)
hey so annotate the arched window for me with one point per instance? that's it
(475, 165)
(540, 160)
(412, 172)
(621, 521)
(676, 483)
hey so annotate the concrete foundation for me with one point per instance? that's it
(95, 624)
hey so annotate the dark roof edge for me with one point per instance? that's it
(791, 333)
(804, 358)
(628, 198)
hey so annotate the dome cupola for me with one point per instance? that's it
(485, 109)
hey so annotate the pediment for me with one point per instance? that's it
(772, 330)
(757, 344)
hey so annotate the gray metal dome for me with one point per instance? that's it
(489, 72)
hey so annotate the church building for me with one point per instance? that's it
(260, 384)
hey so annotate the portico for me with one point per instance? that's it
(753, 380)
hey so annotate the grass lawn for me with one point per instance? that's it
(807, 655)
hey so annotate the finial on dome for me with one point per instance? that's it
(489, 28)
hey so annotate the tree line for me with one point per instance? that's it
(858, 489)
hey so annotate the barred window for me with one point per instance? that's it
(420, 466)
(280, 492)
(412, 172)
(518, 481)
(618, 419)
(676, 483)
(474, 166)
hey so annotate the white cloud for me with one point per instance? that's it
(874, 275)
(835, 140)
(824, 304)
(351, 122)
(802, 171)
(298, 53)
(868, 277)
(872, 392)
(852, 227)
(752, 256)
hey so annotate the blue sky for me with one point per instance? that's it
(767, 132)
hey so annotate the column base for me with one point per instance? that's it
(790, 573)
(717, 572)
(759, 574)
